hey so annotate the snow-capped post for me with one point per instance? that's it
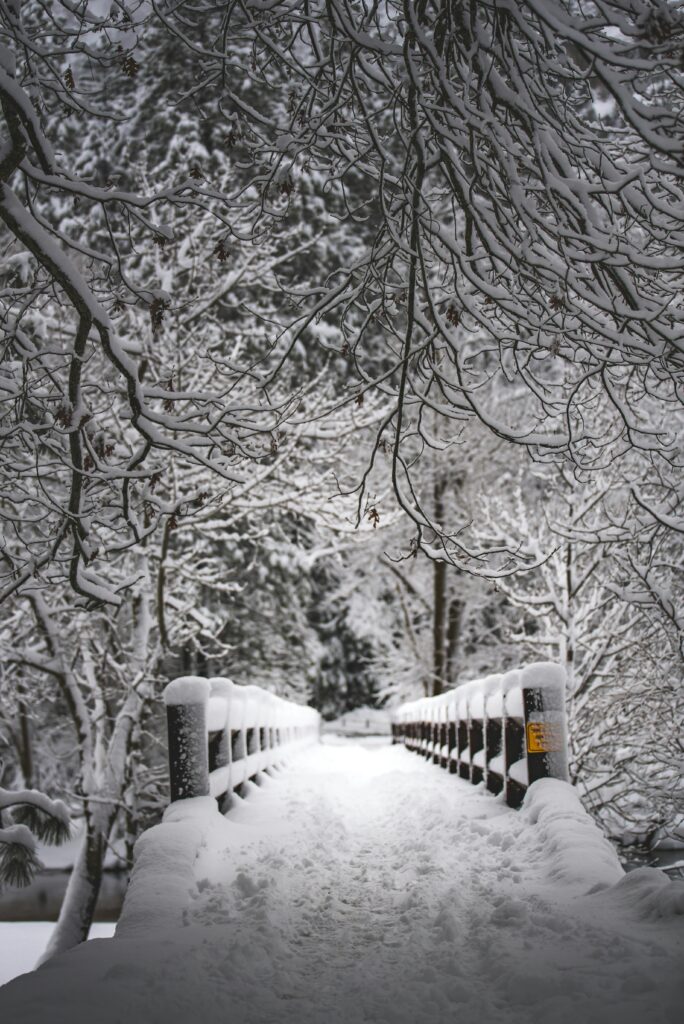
(463, 765)
(219, 728)
(436, 719)
(494, 738)
(186, 702)
(444, 738)
(476, 737)
(546, 744)
(452, 739)
(513, 738)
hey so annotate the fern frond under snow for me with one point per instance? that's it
(49, 828)
(48, 819)
(18, 859)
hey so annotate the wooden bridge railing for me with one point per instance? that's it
(221, 735)
(505, 730)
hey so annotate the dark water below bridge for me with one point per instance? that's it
(671, 861)
(41, 900)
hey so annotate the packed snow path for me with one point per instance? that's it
(364, 885)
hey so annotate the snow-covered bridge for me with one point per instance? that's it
(363, 884)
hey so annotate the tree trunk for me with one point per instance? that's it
(439, 598)
(570, 638)
(439, 614)
(456, 609)
(25, 748)
(78, 905)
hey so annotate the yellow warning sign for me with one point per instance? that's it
(544, 737)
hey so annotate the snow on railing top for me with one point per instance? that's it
(222, 734)
(506, 730)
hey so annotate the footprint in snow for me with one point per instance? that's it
(247, 886)
(509, 912)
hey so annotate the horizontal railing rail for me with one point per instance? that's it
(221, 735)
(505, 730)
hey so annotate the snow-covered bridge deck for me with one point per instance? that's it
(362, 884)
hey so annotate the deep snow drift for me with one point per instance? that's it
(363, 885)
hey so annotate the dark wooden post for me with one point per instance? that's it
(493, 738)
(535, 731)
(514, 752)
(476, 744)
(513, 736)
(220, 750)
(462, 737)
(436, 734)
(237, 744)
(545, 738)
(186, 710)
(252, 743)
(452, 741)
(444, 740)
(222, 688)
(493, 747)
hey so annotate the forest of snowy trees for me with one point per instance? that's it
(342, 353)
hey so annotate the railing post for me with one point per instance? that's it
(476, 737)
(452, 739)
(436, 731)
(546, 744)
(462, 733)
(513, 738)
(223, 689)
(186, 711)
(494, 738)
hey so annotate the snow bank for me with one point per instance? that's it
(575, 852)
(648, 893)
(163, 874)
(573, 848)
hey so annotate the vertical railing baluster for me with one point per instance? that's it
(186, 713)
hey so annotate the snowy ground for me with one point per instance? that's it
(363, 885)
